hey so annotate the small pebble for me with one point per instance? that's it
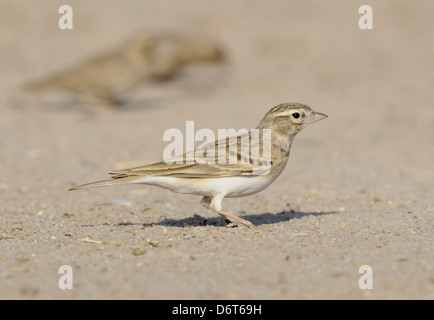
(139, 251)
(154, 243)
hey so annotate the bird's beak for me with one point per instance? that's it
(318, 116)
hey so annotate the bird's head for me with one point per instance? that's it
(289, 118)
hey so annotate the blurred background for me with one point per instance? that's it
(223, 64)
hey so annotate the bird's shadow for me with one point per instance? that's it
(256, 219)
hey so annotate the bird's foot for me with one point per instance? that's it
(235, 221)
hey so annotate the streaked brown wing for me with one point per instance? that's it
(206, 162)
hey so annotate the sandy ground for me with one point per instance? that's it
(358, 188)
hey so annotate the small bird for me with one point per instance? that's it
(208, 177)
(147, 56)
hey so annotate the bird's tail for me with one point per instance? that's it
(110, 182)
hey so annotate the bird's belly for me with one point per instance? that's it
(227, 186)
(245, 186)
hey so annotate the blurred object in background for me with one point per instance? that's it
(150, 57)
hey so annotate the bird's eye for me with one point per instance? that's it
(296, 115)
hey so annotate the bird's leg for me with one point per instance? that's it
(235, 220)
(206, 202)
(214, 204)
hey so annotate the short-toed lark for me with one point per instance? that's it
(147, 56)
(215, 180)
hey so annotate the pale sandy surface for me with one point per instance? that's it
(361, 181)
